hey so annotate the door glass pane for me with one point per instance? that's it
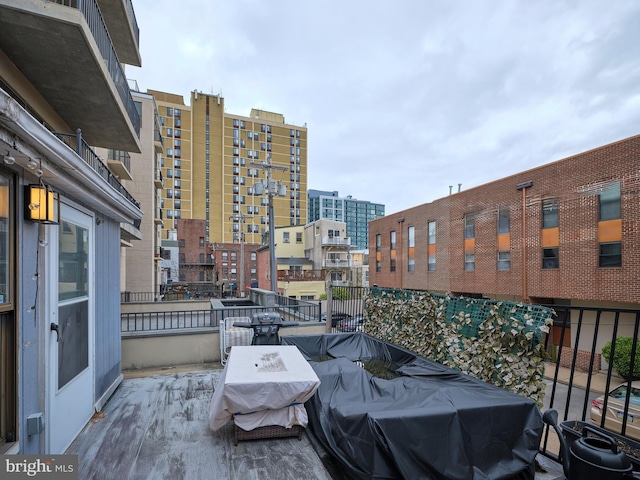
(5, 208)
(73, 345)
(72, 265)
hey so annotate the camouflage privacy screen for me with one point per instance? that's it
(384, 412)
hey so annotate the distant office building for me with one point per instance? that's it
(356, 214)
(214, 159)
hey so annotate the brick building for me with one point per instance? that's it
(216, 267)
(581, 224)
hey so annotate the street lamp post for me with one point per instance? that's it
(271, 189)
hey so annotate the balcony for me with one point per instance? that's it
(158, 217)
(158, 181)
(300, 275)
(123, 29)
(346, 241)
(65, 52)
(336, 263)
(120, 164)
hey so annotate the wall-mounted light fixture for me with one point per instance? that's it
(9, 159)
(42, 204)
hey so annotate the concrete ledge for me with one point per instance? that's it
(164, 348)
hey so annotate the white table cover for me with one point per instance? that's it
(263, 385)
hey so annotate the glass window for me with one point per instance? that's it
(6, 258)
(550, 258)
(469, 262)
(432, 233)
(609, 203)
(504, 260)
(503, 220)
(378, 242)
(610, 254)
(285, 237)
(392, 240)
(550, 213)
(411, 242)
(298, 237)
(469, 225)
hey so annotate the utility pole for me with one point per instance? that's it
(271, 189)
(241, 217)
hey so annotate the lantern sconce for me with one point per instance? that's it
(42, 204)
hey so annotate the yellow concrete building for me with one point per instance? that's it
(213, 161)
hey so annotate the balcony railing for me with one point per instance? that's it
(92, 15)
(300, 275)
(120, 156)
(84, 151)
(346, 241)
(336, 263)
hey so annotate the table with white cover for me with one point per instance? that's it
(263, 385)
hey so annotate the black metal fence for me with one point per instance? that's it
(155, 321)
(577, 370)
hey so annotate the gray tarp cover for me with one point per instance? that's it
(430, 422)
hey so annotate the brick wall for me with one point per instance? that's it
(583, 358)
(576, 182)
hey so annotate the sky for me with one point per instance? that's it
(404, 99)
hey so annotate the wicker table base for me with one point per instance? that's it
(269, 431)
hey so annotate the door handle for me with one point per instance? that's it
(55, 328)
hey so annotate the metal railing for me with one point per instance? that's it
(120, 156)
(84, 151)
(95, 21)
(157, 321)
(301, 275)
(578, 372)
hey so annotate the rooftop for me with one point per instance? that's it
(156, 426)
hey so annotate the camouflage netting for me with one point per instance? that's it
(496, 341)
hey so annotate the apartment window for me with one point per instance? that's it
(225, 256)
(201, 242)
(285, 237)
(610, 255)
(550, 213)
(169, 193)
(378, 242)
(254, 256)
(550, 259)
(181, 258)
(181, 243)
(169, 173)
(225, 274)
(504, 260)
(469, 262)
(431, 241)
(392, 240)
(469, 225)
(503, 221)
(411, 243)
(298, 237)
(234, 256)
(609, 203)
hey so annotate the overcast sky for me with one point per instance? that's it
(402, 99)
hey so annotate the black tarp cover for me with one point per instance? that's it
(430, 422)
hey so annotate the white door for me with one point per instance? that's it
(70, 328)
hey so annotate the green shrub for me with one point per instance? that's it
(621, 358)
(323, 296)
(341, 293)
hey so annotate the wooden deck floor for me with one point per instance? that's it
(156, 427)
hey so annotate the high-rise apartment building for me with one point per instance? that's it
(213, 160)
(357, 214)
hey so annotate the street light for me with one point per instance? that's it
(271, 188)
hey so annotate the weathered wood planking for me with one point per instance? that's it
(157, 428)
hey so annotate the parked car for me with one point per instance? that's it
(352, 324)
(335, 318)
(615, 410)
